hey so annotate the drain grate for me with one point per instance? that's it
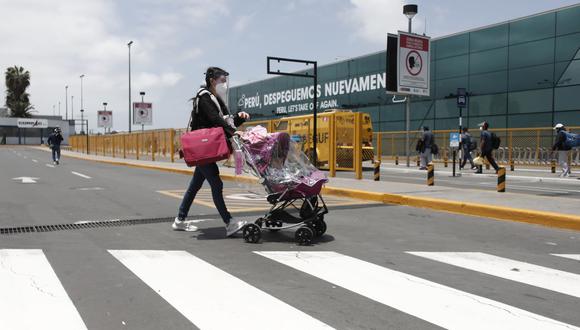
(83, 225)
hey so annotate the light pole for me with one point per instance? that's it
(59, 108)
(83, 122)
(66, 101)
(410, 11)
(105, 109)
(72, 107)
(142, 101)
(129, 45)
(82, 76)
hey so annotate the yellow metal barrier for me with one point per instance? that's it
(520, 146)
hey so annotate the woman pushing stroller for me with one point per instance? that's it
(211, 112)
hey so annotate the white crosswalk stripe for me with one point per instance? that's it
(523, 272)
(32, 295)
(432, 302)
(569, 256)
(211, 298)
(220, 301)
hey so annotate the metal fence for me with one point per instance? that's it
(523, 146)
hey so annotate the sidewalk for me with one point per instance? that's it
(508, 206)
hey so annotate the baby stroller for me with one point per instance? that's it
(292, 183)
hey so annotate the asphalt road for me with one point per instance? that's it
(378, 266)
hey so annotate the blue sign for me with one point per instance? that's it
(454, 140)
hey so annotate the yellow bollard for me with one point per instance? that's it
(553, 166)
(396, 160)
(445, 161)
(512, 166)
(501, 179)
(430, 175)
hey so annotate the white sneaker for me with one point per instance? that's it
(182, 225)
(234, 226)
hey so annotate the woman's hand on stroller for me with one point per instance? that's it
(243, 115)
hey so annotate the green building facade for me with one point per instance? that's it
(520, 73)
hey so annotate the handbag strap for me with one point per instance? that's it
(200, 92)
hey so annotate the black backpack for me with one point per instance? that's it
(495, 141)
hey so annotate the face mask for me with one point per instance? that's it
(222, 91)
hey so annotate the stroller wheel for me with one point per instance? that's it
(304, 235)
(318, 226)
(271, 224)
(252, 233)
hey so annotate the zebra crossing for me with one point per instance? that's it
(30, 286)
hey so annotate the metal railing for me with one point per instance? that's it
(523, 146)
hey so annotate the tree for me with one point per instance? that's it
(17, 99)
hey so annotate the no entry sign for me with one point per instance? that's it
(413, 66)
(105, 119)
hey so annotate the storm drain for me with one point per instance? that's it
(82, 225)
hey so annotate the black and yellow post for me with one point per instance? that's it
(553, 166)
(377, 170)
(512, 165)
(396, 160)
(445, 161)
(430, 175)
(418, 161)
(501, 179)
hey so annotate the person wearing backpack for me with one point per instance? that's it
(210, 111)
(425, 146)
(54, 141)
(467, 145)
(563, 149)
(488, 142)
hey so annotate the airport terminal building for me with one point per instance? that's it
(520, 73)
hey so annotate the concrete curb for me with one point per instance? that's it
(549, 219)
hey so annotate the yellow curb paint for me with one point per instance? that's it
(549, 219)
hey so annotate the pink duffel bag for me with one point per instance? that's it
(204, 146)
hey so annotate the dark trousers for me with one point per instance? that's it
(466, 157)
(55, 153)
(487, 155)
(212, 174)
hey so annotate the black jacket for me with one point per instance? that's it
(55, 139)
(209, 116)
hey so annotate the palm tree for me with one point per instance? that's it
(17, 99)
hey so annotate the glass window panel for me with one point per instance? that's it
(568, 73)
(532, 77)
(487, 83)
(568, 21)
(422, 110)
(452, 67)
(533, 28)
(570, 118)
(531, 53)
(393, 112)
(416, 125)
(539, 100)
(491, 60)
(452, 46)
(489, 38)
(493, 121)
(530, 120)
(389, 126)
(566, 99)
(445, 87)
(446, 108)
(567, 46)
(486, 105)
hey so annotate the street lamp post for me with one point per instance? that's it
(142, 101)
(105, 109)
(72, 107)
(82, 107)
(129, 46)
(410, 11)
(83, 122)
(66, 101)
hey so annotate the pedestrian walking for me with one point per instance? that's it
(488, 142)
(467, 146)
(563, 149)
(425, 147)
(54, 141)
(210, 103)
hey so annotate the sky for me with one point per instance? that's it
(174, 41)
